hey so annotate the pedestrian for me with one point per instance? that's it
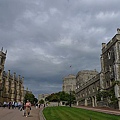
(9, 104)
(28, 108)
(39, 105)
(23, 108)
(13, 104)
(19, 105)
(36, 105)
(4, 104)
(16, 105)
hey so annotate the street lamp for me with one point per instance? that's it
(70, 97)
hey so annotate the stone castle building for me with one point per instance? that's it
(69, 83)
(102, 89)
(11, 86)
(87, 85)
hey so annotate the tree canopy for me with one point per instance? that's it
(31, 98)
(61, 96)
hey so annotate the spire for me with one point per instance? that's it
(14, 76)
(2, 49)
(6, 52)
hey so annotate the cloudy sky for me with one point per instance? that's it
(45, 37)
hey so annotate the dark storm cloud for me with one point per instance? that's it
(43, 38)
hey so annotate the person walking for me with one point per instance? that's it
(4, 104)
(16, 105)
(28, 107)
(36, 105)
(19, 104)
(13, 104)
(23, 109)
(9, 105)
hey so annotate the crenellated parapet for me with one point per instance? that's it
(112, 42)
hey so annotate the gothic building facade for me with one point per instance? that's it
(11, 86)
(103, 89)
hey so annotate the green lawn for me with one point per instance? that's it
(71, 113)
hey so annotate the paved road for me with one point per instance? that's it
(15, 114)
(36, 114)
(103, 110)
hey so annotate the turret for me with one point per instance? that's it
(2, 60)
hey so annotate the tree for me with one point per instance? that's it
(35, 100)
(41, 101)
(109, 95)
(61, 96)
(30, 97)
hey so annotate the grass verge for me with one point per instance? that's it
(71, 113)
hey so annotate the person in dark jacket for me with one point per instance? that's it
(23, 108)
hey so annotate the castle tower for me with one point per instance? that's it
(110, 65)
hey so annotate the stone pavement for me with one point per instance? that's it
(103, 110)
(15, 114)
(36, 114)
(41, 114)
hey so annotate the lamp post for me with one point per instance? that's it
(58, 101)
(70, 97)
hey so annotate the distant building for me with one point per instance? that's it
(102, 89)
(69, 83)
(11, 86)
(42, 96)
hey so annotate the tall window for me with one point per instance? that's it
(107, 83)
(109, 54)
(110, 68)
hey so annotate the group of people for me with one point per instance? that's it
(37, 105)
(12, 104)
(25, 107)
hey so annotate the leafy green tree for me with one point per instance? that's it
(61, 96)
(41, 101)
(30, 97)
(35, 100)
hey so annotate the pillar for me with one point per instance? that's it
(119, 103)
(93, 102)
(86, 102)
(77, 103)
